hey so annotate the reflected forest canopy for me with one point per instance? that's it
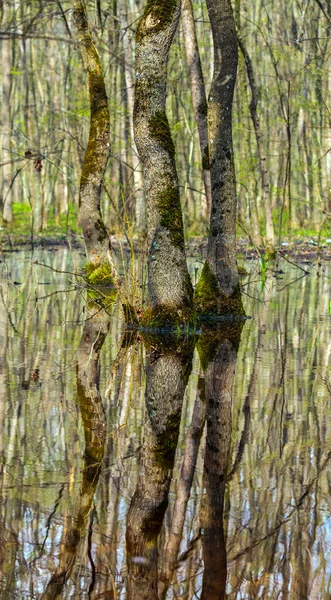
(165, 329)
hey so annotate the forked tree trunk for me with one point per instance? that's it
(100, 268)
(218, 290)
(198, 92)
(169, 284)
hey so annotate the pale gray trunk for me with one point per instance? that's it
(6, 191)
(138, 182)
(198, 92)
(168, 279)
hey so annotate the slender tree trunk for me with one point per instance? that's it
(218, 290)
(138, 182)
(6, 192)
(100, 266)
(270, 239)
(169, 284)
(198, 92)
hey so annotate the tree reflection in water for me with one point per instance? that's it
(169, 365)
(95, 330)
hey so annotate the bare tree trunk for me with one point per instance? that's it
(100, 266)
(255, 96)
(218, 290)
(138, 182)
(169, 284)
(6, 192)
(198, 92)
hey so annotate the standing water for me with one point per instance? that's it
(181, 468)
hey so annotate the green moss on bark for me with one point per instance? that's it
(99, 274)
(169, 319)
(160, 131)
(170, 211)
(157, 16)
(211, 302)
(212, 337)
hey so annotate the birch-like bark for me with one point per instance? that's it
(198, 92)
(169, 284)
(218, 290)
(96, 236)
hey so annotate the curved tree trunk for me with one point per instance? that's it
(198, 92)
(169, 284)
(218, 290)
(100, 268)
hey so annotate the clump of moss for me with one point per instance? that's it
(170, 211)
(211, 302)
(242, 271)
(169, 319)
(161, 12)
(160, 130)
(99, 274)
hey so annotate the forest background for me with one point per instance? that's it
(283, 161)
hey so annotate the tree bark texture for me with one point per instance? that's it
(218, 290)
(97, 241)
(167, 377)
(90, 404)
(169, 283)
(218, 356)
(198, 92)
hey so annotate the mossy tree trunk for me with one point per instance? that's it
(96, 237)
(170, 288)
(168, 371)
(218, 290)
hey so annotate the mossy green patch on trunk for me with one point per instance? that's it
(160, 131)
(170, 211)
(99, 274)
(169, 319)
(209, 299)
(157, 16)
